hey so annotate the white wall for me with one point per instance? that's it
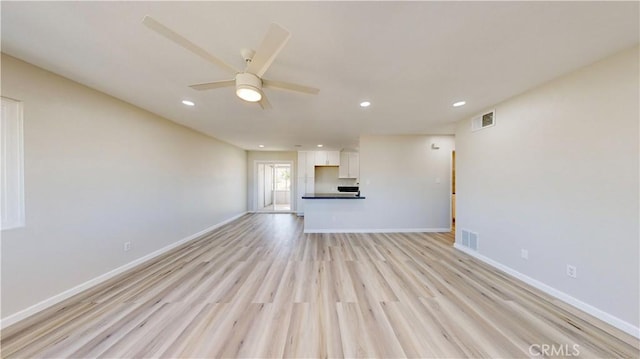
(398, 176)
(558, 176)
(100, 172)
(326, 179)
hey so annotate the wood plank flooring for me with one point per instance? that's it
(260, 288)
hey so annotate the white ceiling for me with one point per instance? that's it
(412, 60)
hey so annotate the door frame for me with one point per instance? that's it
(452, 191)
(255, 185)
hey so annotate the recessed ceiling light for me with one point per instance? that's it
(261, 146)
(459, 103)
(188, 103)
(320, 145)
(365, 104)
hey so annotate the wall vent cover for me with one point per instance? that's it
(485, 120)
(470, 239)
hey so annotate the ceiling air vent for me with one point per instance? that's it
(483, 121)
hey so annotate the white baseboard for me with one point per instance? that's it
(273, 212)
(16, 317)
(587, 308)
(385, 230)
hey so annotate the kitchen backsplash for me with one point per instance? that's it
(327, 181)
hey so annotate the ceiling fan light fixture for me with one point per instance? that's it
(248, 87)
(248, 83)
(248, 93)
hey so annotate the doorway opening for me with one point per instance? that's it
(453, 191)
(273, 187)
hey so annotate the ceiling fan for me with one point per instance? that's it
(249, 82)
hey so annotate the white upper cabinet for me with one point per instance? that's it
(306, 164)
(343, 171)
(327, 158)
(333, 158)
(302, 164)
(349, 165)
(311, 166)
(354, 165)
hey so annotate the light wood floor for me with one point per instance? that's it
(259, 287)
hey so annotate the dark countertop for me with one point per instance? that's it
(332, 196)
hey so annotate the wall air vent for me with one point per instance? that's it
(485, 120)
(470, 239)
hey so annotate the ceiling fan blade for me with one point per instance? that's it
(264, 103)
(180, 40)
(213, 85)
(289, 86)
(273, 42)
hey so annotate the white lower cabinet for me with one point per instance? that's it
(305, 185)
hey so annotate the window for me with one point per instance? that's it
(12, 166)
(283, 178)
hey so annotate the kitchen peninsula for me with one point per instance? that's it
(332, 196)
(327, 187)
(331, 212)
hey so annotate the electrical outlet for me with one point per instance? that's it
(572, 271)
(127, 246)
(524, 254)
